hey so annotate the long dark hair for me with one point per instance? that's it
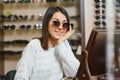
(48, 15)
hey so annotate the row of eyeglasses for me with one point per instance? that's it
(19, 17)
(22, 27)
(33, 1)
(100, 13)
(15, 17)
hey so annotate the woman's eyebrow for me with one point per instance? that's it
(59, 20)
(65, 21)
(55, 18)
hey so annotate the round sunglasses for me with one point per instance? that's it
(97, 23)
(98, 11)
(64, 25)
(100, 6)
(97, 1)
(100, 17)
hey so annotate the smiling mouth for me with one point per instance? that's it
(59, 33)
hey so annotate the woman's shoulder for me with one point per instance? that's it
(34, 41)
(66, 42)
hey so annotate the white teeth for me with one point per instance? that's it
(58, 31)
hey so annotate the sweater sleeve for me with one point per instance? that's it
(70, 63)
(24, 65)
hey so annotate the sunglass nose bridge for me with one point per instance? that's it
(61, 25)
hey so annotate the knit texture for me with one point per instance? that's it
(38, 64)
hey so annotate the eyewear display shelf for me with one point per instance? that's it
(23, 21)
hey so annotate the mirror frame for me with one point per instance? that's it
(82, 23)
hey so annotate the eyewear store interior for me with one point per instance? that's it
(21, 21)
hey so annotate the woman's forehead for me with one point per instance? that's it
(59, 16)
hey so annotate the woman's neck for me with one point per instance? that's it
(51, 43)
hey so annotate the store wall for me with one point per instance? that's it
(1, 44)
(89, 18)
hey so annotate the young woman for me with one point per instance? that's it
(50, 57)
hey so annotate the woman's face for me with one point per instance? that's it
(58, 25)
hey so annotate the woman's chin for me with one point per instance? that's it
(58, 37)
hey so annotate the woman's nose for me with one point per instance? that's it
(60, 27)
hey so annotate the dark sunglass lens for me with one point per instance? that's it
(97, 1)
(97, 6)
(104, 23)
(118, 10)
(56, 23)
(103, 1)
(97, 12)
(97, 23)
(97, 17)
(100, 11)
(103, 11)
(103, 17)
(118, 22)
(103, 6)
(66, 25)
(12, 27)
(118, 1)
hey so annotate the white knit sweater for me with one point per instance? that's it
(38, 64)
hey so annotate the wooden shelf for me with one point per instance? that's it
(34, 5)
